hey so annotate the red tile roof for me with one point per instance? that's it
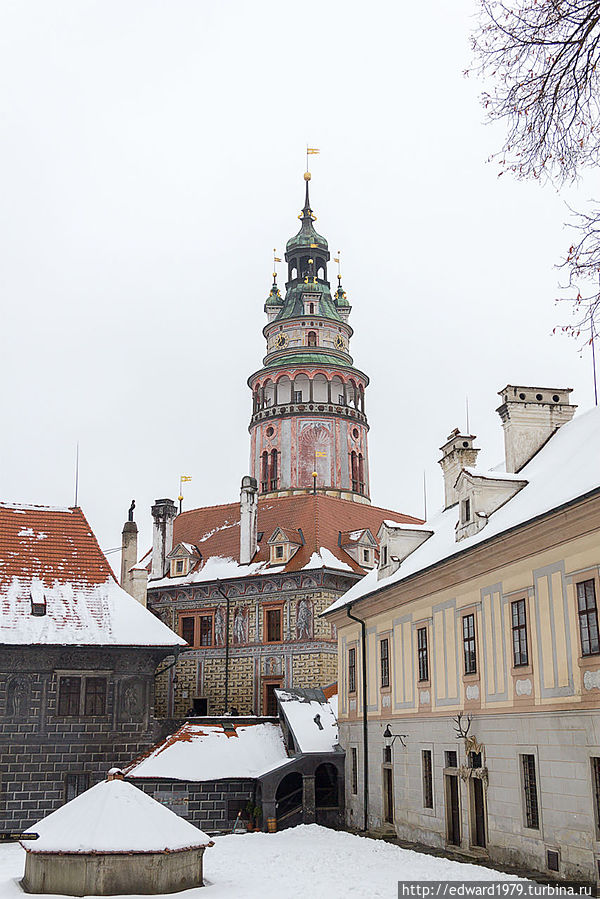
(216, 529)
(51, 544)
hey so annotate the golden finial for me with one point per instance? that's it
(307, 176)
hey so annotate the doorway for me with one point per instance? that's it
(269, 698)
(478, 837)
(388, 795)
(452, 810)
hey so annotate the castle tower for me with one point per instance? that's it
(308, 429)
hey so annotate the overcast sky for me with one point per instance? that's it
(151, 158)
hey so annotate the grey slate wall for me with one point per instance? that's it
(38, 748)
(212, 806)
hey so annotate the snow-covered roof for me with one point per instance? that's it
(300, 710)
(50, 556)
(566, 468)
(114, 816)
(200, 752)
(325, 559)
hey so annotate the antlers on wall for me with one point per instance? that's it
(462, 730)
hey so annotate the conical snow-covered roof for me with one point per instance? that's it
(114, 816)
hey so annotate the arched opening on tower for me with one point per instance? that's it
(312, 337)
(337, 391)
(361, 474)
(301, 389)
(284, 390)
(274, 470)
(361, 398)
(269, 389)
(320, 389)
(264, 472)
(354, 470)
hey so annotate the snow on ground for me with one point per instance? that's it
(306, 861)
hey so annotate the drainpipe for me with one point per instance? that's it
(226, 598)
(364, 716)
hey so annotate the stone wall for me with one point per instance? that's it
(562, 744)
(212, 806)
(39, 748)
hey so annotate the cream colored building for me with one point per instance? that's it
(482, 654)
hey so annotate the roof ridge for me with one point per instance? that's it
(31, 507)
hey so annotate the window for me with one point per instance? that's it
(187, 630)
(352, 670)
(354, 769)
(469, 644)
(264, 477)
(422, 652)
(366, 555)
(81, 695)
(384, 555)
(273, 625)
(69, 690)
(384, 648)
(179, 566)
(519, 633)
(297, 396)
(206, 630)
(465, 511)
(75, 784)
(95, 696)
(311, 308)
(274, 473)
(532, 817)
(596, 789)
(312, 338)
(279, 551)
(588, 618)
(451, 758)
(427, 778)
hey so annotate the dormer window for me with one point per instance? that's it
(283, 545)
(366, 555)
(465, 511)
(384, 555)
(179, 567)
(279, 551)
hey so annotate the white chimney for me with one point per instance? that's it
(457, 453)
(248, 519)
(163, 513)
(530, 415)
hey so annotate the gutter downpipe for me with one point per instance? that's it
(226, 598)
(364, 716)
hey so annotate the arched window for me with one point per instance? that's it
(274, 473)
(361, 474)
(354, 469)
(312, 338)
(264, 474)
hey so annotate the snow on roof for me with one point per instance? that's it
(326, 559)
(200, 752)
(217, 568)
(493, 475)
(300, 713)
(51, 556)
(567, 467)
(114, 816)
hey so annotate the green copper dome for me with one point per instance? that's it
(306, 237)
(274, 298)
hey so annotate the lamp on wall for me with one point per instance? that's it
(389, 738)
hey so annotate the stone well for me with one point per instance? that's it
(114, 840)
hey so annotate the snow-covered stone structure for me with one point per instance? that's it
(113, 840)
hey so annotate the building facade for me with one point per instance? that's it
(245, 584)
(77, 664)
(482, 654)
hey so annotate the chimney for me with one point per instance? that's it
(248, 519)
(457, 453)
(163, 513)
(530, 415)
(129, 546)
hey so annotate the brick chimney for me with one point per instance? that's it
(163, 513)
(248, 519)
(530, 415)
(457, 453)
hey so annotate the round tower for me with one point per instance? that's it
(308, 429)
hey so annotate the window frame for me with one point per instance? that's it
(423, 656)
(82, 694)
(384, 663)
(354, 770)
(469, 645)
(529, 780)
(267, 610)
(186, 618)
(352, 669)
(587, 614)
(427, 778)
(519, 633)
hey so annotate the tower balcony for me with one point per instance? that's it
(322, 408)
